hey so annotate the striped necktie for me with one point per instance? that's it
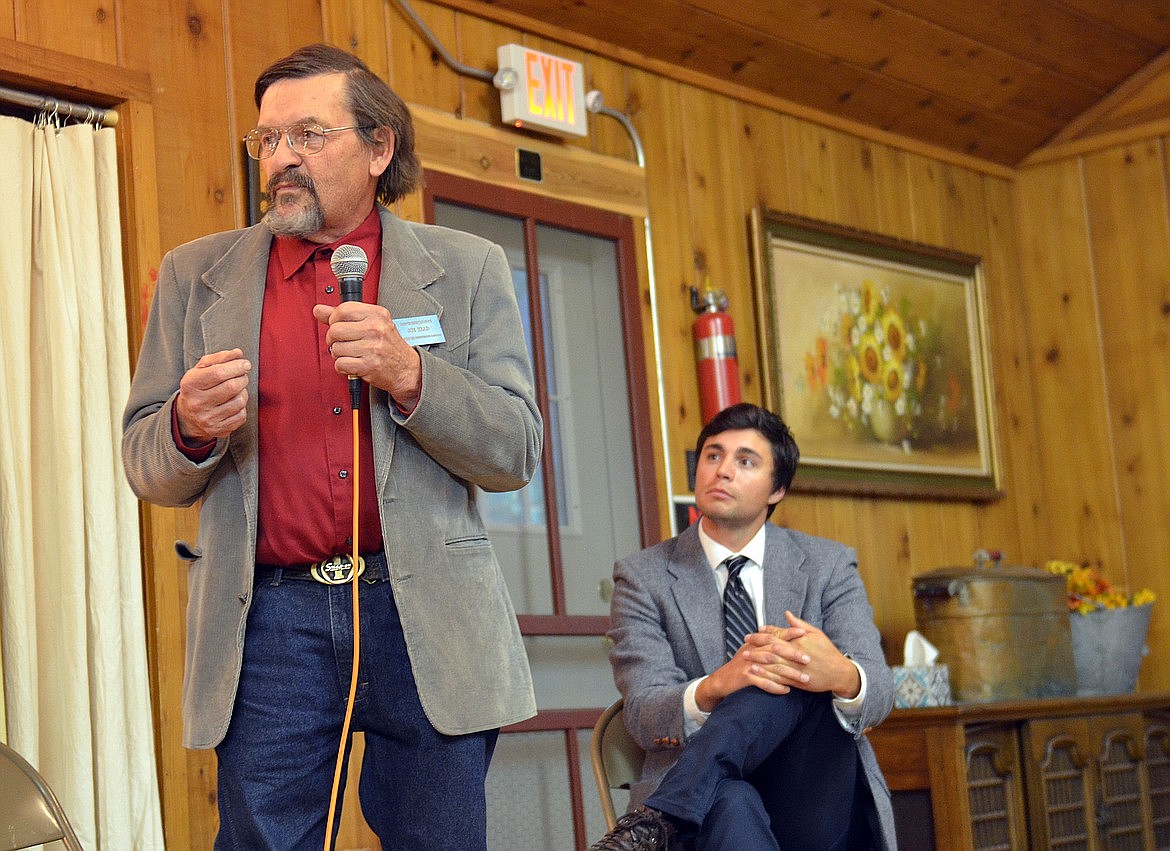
(739, 615)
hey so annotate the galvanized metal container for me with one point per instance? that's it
(1003, 631)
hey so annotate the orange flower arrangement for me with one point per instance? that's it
(1089, 591)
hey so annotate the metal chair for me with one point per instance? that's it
(30, 813)
(616, 757)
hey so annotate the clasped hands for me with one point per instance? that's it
(778, 659)
(364, 343)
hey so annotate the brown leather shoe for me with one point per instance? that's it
(643, 829)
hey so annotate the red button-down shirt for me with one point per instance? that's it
(306, 451)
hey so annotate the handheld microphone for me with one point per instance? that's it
(349, 264)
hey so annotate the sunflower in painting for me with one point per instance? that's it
(871, 361)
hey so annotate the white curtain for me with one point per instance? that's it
(72, 632)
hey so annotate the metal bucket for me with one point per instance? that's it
(1004, 632)
(1108, 646)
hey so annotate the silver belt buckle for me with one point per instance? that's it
(336, 570)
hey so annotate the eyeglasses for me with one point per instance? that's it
(302, 138)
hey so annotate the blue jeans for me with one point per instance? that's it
(419, 789)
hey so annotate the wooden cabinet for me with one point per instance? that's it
(1067, 773)
(1158, 775)
(995, 798)
(1086, 782)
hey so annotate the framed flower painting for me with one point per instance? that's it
(874, 352)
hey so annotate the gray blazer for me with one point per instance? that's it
(668, 630)
(476, 423)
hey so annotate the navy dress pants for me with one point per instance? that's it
(769, 772)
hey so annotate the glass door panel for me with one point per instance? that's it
(589, 403)
(587, 421)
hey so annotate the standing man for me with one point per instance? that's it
(754, 734)
(237, 402)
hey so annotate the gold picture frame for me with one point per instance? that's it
(874, 351)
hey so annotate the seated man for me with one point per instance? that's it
(754, 734)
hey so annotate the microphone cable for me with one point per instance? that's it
(349, 264)
(353, 677)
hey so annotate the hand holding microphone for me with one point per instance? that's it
(362, 338)
(349, 265)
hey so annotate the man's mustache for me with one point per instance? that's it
(290, 177)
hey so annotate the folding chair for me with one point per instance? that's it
(29, 811)
(617, 758)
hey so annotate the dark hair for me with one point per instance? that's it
(785, 453)
(372, 102)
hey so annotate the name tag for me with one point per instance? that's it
(421, 330)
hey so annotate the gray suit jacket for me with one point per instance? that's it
(476, 423)
(668, 630)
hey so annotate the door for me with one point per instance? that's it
(592, 501)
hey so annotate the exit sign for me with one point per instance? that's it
(548, 94)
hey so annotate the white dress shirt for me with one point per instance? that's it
(752, 575)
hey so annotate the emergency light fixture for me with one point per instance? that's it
(540, 91)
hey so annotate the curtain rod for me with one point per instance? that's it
(44, 103)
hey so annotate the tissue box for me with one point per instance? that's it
(921, 685)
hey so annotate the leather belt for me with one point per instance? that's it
(335, 570)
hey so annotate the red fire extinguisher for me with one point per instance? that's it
(715, 358)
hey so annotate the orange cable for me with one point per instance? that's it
(353, 677)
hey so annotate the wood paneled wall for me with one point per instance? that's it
(1075, 253)
(1095, 273)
